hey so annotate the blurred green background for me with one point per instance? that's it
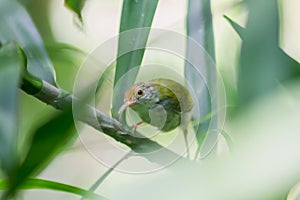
(260, 71)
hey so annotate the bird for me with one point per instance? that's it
(162, 103)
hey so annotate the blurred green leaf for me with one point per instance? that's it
(294, 193)
(76, 6)
(47, 141)
(135, 14)
(199, 24)
(30, 84)
(102, 178)
(9, 82)
(64, 46)
(66, 59)
(200, 30)
(16, 25)
(238, 28)
(228, 139)
(263, 65)
(34, 183)
(106, 76)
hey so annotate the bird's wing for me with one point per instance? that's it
(176, 93)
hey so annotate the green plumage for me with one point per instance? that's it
(179, 97)
(165, 103)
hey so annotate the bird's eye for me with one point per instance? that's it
(140, 92)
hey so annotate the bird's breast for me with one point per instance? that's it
(156, 115)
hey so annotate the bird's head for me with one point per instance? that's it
(140, 93)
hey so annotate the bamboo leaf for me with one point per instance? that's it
(16, 25)
(9, 82)
(200, 30)
(106, 174)
(238, 28)
(228, 139)
(76, 6)
(34, 183)
(263, 65)
(47, 141)
(136, 15)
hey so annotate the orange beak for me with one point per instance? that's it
(126, 105)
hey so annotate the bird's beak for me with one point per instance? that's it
(126, 105)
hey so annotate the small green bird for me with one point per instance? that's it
(162, 103)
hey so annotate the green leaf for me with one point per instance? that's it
(106, 76)
(66, 59)
(9, 82)
(238, 28)
(47, 141)
(34, 183)
(30, 84)
(200, 32)
(135, 14)
(263, 65)
(102, 178)
(16, 25)
(228, 139)
(76, 6)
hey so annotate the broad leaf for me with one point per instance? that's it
(9, 82)
(16, 25)
(47, 141)
(200, 31)
(263, 65)
(135, 14)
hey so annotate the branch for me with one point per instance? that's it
(61, 100)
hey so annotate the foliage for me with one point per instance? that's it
(261, 56)
(16, 25)
(9, 81)
(200, 18)
(137, 16)
(76, 6)
(267, 90)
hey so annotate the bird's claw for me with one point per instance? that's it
(134, 126)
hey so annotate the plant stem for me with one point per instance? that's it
(61, 100)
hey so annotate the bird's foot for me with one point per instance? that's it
(134, 126)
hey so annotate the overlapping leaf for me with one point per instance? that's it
(9, 82)
(47, 141)
(16, 25)
(262, 63)
(200, 30)
(136, 15)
